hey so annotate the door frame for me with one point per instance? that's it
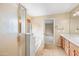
(53, 29)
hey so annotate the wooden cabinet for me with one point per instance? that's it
(74, 50)
(70, 48)
(77, 52)
(62, 43)
(65, 44)
(67, 47)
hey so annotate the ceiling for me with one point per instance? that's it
(42, 9)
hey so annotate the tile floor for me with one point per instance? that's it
(50, 50)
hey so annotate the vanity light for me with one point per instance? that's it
(76, 13)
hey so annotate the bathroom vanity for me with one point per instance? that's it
(70, 43)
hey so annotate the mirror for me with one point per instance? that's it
(74, 21)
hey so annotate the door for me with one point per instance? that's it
(49, 31)
(21, 30)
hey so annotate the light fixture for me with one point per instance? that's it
(76, 13)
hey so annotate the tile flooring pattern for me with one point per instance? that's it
(50, 50)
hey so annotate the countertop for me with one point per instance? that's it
(73, 38)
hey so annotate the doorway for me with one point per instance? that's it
(49, 32)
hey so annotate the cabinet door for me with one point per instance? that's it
(72, 49)
(61, 41)
(76, 51)
(67, 47)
